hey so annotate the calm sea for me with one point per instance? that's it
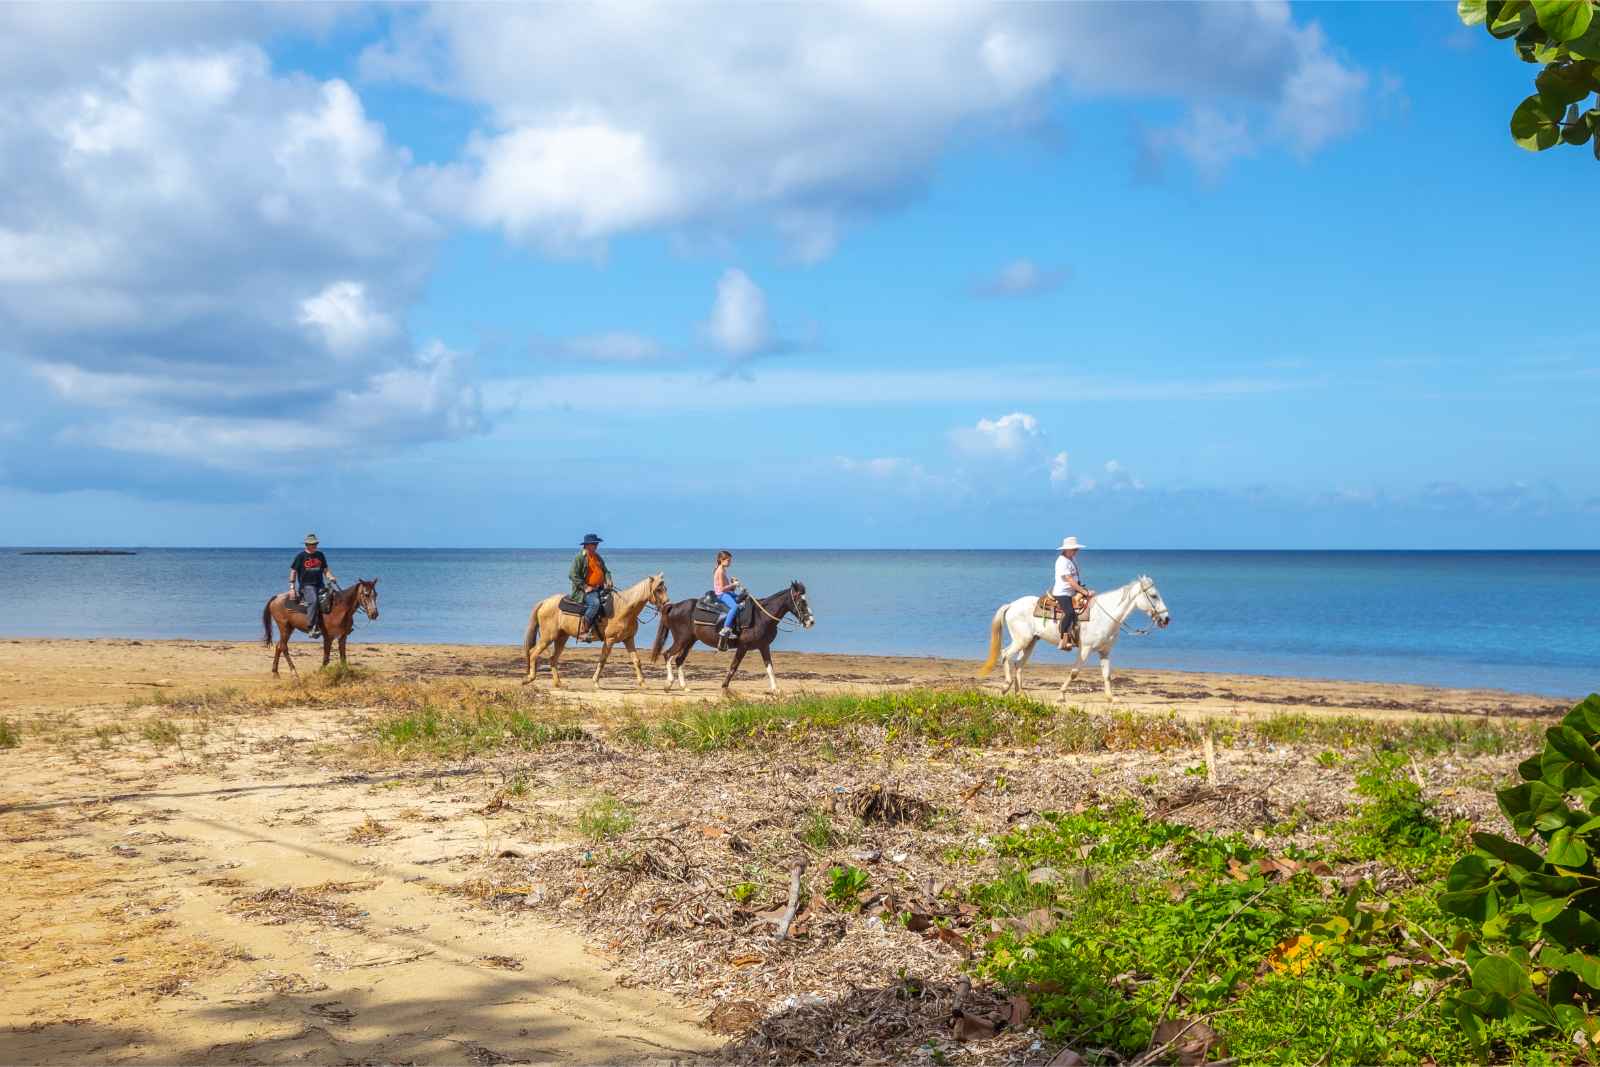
(1522, 621)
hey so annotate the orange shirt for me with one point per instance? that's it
(597, 574)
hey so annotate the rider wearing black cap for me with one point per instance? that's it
(590, 577)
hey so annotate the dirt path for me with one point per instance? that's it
(236, 903)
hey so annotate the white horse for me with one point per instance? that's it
(1097, 631)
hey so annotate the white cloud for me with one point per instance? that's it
(1058, 469)
(739, 325)
(809, 119)
(186, 239)
(1210, 140)
(1009, 435)
(347, 323)
(1021, 277)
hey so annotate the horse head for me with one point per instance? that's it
(802, 610)
(657, 593)
(1151, 602)
(367, 597)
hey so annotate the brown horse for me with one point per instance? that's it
(557, 626)
(337, 621)
(678, 622)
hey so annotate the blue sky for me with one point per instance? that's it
(1157, 275)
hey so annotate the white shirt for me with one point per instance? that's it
(1065, 568)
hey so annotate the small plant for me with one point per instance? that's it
(10, 734)
(743, 892)
(1195, 770)
(1329, 758)
(819, 832)
(605, 818)
(517, 786)
(160, 732)
(109, 735)
(1395, 822)
(845, 885)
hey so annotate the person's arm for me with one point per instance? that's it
(1078, 587)
(293, 585)
(327, 572)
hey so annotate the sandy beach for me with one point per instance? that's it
(207, 864)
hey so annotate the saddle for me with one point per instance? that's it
(575, 607)
(1049, 607)
(708, 610)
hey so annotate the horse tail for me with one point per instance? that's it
(994, 642)
(530, 636)
(661, 635)
(266, 622)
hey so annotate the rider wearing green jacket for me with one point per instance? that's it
(590, 578)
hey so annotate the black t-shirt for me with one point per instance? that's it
(309, 567)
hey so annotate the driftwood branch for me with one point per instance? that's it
(795, 874)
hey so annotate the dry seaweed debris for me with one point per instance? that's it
(285, 904)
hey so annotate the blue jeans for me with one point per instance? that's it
(308, 599)
(591, 608)
(732, 603)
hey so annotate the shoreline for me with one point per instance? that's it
(55, 672)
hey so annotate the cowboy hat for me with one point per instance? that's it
(311, 539)
(1069, 543)
(591, 539)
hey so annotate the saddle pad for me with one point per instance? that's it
(575, 607)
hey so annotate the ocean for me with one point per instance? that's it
(1521, 621)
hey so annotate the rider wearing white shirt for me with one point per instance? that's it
(1065, 586)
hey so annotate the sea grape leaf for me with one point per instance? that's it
(1533, 804)
(1585, 716)
(1500, 976)
(1563, 20)
(1508, 18)
(1533, 126)
(1567, 849)
(1508, 851)
(1472, 12)
(1547, 894)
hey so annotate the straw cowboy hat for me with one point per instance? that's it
(311, 539)
(1070, 543)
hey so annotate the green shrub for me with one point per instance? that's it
(1535, 900)
(10, 734)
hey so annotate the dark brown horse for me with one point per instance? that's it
(679, 621)
(337, 621)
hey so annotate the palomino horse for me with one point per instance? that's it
(1097, 631)
(548, 618)
(337, 621)
(763, 630)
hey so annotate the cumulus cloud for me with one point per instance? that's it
(782, 116)
(740, 326)
(1116, 479)
(218, 257)
(1015, 434)
(1021, 277)
(1058, 469)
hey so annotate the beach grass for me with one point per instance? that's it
(10, 734)
(442, 732)
(974, 718)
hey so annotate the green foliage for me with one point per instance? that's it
(1534, 901)
(845, 885)
(1563, 36)
(743, 892)
(974, 718)
(10, 734)
(464, 731)
(1396, 823)
(604, 818)
(819, 832)
(1148, 919)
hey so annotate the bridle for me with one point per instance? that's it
(797, 604)
(1147, 585)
